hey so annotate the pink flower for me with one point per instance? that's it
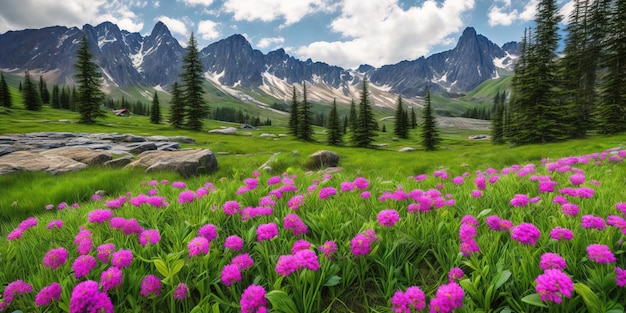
(186, 196)
(476, 194)
(547, 186)
(559, 234)
(621, 207)
(347, 186)
(361, 183)
(569, 209)
(178, 184)
(286, 265)
(360, 245)
(198, 246)
(27, 223)
(13, 289)
(110, 278)
(459, 180)
(266, 231)
(388, 217)
(139, 200)
(577, 179)
(469, 246)
(86, 298)
(300, 245)
(104, 252)
(47, 294)
(181, 292)
(493, 222)
(329, 247)
(253, 300)
(55, 223)
(519, 200)
(230, 274)
(131, 226)
(295, 202)
(243, 261)
(99, 216)
(55, 258)
(208, 231)
(448, 297)
(117, 222)
(231, 207)
(327, 192)
(150, 285)
(469, 220)
(151, 236)
(365, 194)
(83, 265)
(400, 302)
(307, 259)
(15, 234)
(480, 182)
(600, 254)
(455, 274)
(552, 261)
(157, 202)
(233, 242)
(274, 180)
(122, 258)
(590, 221)
(526, 233)
(620, 277)
(553, 284)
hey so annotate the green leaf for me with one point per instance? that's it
(281, 301)
(278, 282)
(162, 268)
(502, 277)
(534, 299)
(63, 306)
(615, 311)
(215, 308)
(483, 213)
(332, 281)
(178, 265)
(591, 299)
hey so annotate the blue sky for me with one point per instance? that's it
(346, 33)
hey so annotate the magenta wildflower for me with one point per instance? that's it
(84, 246)
(150, 236)
(552, 261)
(553, 284)
(307, 259)
(27, 223)
(590, 221)
(15, 234)
(131, 226)
(201, 192)
(300, 245)
(547, 186)
(421, 177)
(186, 196)
(233, 242)
(139, 200)
(83, 265)
(114, 204)
(570, 209)
(469, 220)
(466, 232)
(253, 300)
(266, 231)
(400, 303)
(99, 215)
(12, 290)
(559, 234)
(415, 297)
(388, 217)
(577, 179)
(117, 222)
(208, 231)
(329, 247)
(274, 180)
(51, 206)
(286, 265)
(458, 180)
(231, 207)
(110, 278)
(55, 258)
(526, 233)
(360, 245)
(243, 261)
(197, 246)
(157, 202)
(361, 183)
(600, 254)
(62, 206)
(476, 193)
(480, 182)
(122, 258)
(584, 193)
(230, 274)
(150, 285)
(181, 292)
(448, 297)
(178, 184)
(455, 274)
(519, 200)
(347, 186)
(47, 294)
(493, 222)
(620, 276)
(365, 194)
(469, 246)
(295, 202)
(621, 207)
(327, 192)
(55, 223)
(104, 252)
(86, 298)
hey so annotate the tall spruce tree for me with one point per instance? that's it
(497, 119)
(5, 93)
(335, 135)
(430, 133)
(155, 110)
(611, 108)
(366, 128)
(305, 117)
(31, 96)
(177, 107)
(294, 113)
(43, 90)
(88, 97)
(55, 101)
(192, 86)
(400, 126)
(413, 119)
(352, 117)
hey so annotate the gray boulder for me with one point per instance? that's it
(187, 162)
(324, 158)
(119, 162)
(37, 162)
(81, 154)
(139, 147)
(224, 131)
(406, 149)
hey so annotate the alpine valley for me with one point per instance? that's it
(153, 62)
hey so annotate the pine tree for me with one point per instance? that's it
(335, 136)
(497, 119)
(400, 127)
(177, 107)
(5, 93)
(611, 108)
(192, 86)
(88, 96)
(55, 101)
(155, 110)
(305, 117)
(366, 125)
(30, 94)
(430, 133)
(413, 119)
(352, 117)
(43, 91)
(294, 115)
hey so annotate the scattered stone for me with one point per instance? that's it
(478, 137)
(224, 131)
(168, 146)
(183, 139)
(119, 162)
(137, 148)
(186, 163)
(133, 138)
(37, 162)
(80, 154)
(100, 193)
(264, 135)
(406, 149)
(324, 159)
(65, 121)
(158, 138)
(282, 135)
(380, 145)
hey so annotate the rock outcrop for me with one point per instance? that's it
(187, 163)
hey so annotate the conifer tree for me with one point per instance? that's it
(192, 86)
(5, 93)
(400, 127)
(305, 117)
(294, 114)
(352, 117)
(43, 91)
(413, 119)
(31, 96)
(430, 133)
(335, 136)
(155, 110)
(177, 107)
(497, 119)
(64, 99)
(366, 125)
(55, 101)
(88, 97)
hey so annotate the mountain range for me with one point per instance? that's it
(233, 66)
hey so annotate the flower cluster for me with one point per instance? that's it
(600, 254)
(295, 224)
(305, 258)
(121, 258)
(47, 294)
(253, 300)
(388, 217)
(467, 233)
(181, 292)
(83, 265)
(526, 233)
(150, 236)
(553, 284)
(86, 298)
(233, 242)
(448, 297)
(551, 260)
(111, 278)
(55, 258)
(590, 221)
(99, 216)
(12, 290)
(412, 299)
(197, 246)
(495, 223)
(361, 243)
(560, 233)
(266, 231)
(150, 285)
(328, 248)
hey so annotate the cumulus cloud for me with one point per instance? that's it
(502, 13)
(176, 26)
(290, 11)
(156, 4)
(208, 30)
(268, 41)
(382, 32)
(205, 3)
(20, 14)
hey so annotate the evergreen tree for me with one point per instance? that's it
(20, 87)
(88, 96)
(74, 100)
(497, 119)
(611, 108)
(305, 117)
(177, 107)
(352, 117)
(155, 110)
(413, 119)
(384, 129)
(5, 93)
(43, 91)
(64, 99)
(345, 124)
(366, 125)
(294, 115)
(55, 102)
(30, 94)
(400, 127)
(430, 133)
(192, 86)
(335, 136)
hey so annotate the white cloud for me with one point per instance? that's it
(268, 41)
(504, 14)
(530, 11)
(291, 11)
(498, 17)
(208, 30)
(156, 4)
(566, 11)
(205, 3)
(174, 25)
(381, 32)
